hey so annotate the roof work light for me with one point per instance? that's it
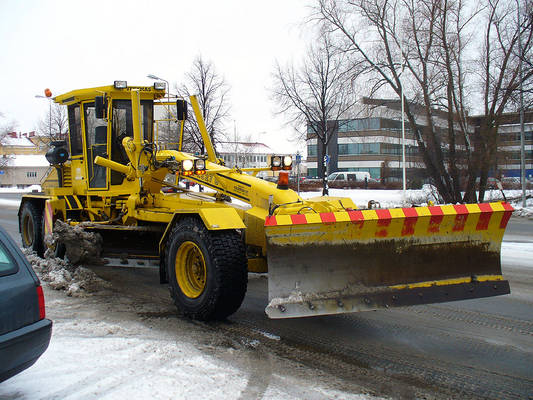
(120, 84)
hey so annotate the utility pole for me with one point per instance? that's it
(48, 96)
(522, 134)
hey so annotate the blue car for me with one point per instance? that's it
(24, 329)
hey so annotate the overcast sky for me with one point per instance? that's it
(66, 45)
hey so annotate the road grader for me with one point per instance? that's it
(323, 255)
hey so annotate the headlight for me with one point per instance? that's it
(187, 165)
(199, 166)
(276, 161)
(159, 85)
(120, 84)
(287, 162)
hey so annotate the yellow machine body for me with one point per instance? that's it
(322, 255)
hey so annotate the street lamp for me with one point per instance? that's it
(49, 98)
(154, 77)
(403, 130)
(521, 88)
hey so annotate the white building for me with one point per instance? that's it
(23, 170)
(245, 154)
(22, 163)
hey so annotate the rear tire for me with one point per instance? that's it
(31, 227)
(207, 270)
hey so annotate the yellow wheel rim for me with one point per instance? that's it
(191, 271)
(27, 230)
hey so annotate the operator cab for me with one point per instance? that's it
(99, 119)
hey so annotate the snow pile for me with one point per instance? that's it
(361, 197)
(526, 212)
(81, 246)
(523, 212)
(15, 189)
(62, 275)
(385, 198)
(428, 194)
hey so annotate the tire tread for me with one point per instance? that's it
(228, 256)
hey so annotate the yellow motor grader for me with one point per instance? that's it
(323, 255)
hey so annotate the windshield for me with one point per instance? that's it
(122, 119)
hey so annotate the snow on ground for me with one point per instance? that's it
(9, 203)
(385, 198)
(110, 345)
(517, 253)
(29, 189)
(61, 275)
(115, 344)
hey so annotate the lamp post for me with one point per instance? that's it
(38, 96)
(522, 135)
(403, 131)
(154, 77)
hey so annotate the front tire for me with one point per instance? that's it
(207, 270)
(31, 227)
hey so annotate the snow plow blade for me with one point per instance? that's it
(357, 260)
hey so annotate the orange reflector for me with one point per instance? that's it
(283, 180)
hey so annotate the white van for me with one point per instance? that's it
(356, 176)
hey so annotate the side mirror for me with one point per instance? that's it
(100, 106)
(181, 110)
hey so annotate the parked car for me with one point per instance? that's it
(492, 183)
(24, 329)
(511, 182)
(357, 176)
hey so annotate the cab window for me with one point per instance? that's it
(122, 125)
(96, 141)
(74, 122)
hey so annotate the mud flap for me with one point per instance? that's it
(363, 260)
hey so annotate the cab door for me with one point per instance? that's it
(96, 144)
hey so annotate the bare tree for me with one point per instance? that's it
(500, 74)
(315, 96)
(5, 128)
(212, 93)
(418, 49)
(54, 125)
(167, 130)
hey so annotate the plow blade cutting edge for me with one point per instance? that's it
(339, 262)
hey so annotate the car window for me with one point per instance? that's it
(7, 265)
